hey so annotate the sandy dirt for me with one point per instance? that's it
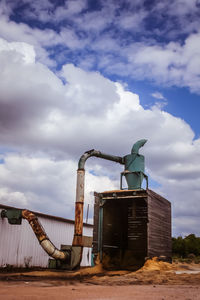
(58, 290)
(156, 280)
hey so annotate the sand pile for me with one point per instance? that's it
(91, 270)
(155, 265)
(150, 265)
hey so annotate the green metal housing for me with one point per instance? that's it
(134, 167)
(14, 216)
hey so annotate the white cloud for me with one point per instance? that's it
(26, 50)
(183, 7)
(132, 21)
(13, 198)
(50, 124)
(41, 183)
(169, 64)
(158, 95)
(21, 32)
(116, 38)
(162, 101)
(38, 183)
(91, 86)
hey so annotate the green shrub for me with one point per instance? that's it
(188, 247)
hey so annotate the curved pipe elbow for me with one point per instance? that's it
(78, 227)
(42, 237)
(137, 146)
(93, 152)
(84, 157)
(52, 251)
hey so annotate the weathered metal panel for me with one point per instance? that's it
(159, 226)
(137, 226)
(20, 248)
(96, 223)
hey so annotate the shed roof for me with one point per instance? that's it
(2, 206)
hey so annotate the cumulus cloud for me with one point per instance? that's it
(172, 64)
(41, 183)
(26, 50)
(49, 120)
(118, 37)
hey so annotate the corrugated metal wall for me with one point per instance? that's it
(19, 246)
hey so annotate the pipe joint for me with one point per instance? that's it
(99, 154)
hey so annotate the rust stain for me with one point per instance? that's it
(78, 240)
(35, 224)
(78, 228)
(79, 218)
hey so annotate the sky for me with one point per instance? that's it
(86, 74)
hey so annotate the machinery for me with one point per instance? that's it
(69, 256)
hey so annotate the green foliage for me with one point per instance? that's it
(184, 247)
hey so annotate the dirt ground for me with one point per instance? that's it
(156, 280)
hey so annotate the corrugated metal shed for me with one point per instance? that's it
(20, 248)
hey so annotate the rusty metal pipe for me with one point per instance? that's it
(42, 237)
(78, 227)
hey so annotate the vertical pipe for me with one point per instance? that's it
(87, 215)
(100, 233)
(78, 227)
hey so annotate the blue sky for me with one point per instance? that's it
(86, 74)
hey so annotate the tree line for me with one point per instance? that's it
(182, 247)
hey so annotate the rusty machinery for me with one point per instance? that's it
(69, 256)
